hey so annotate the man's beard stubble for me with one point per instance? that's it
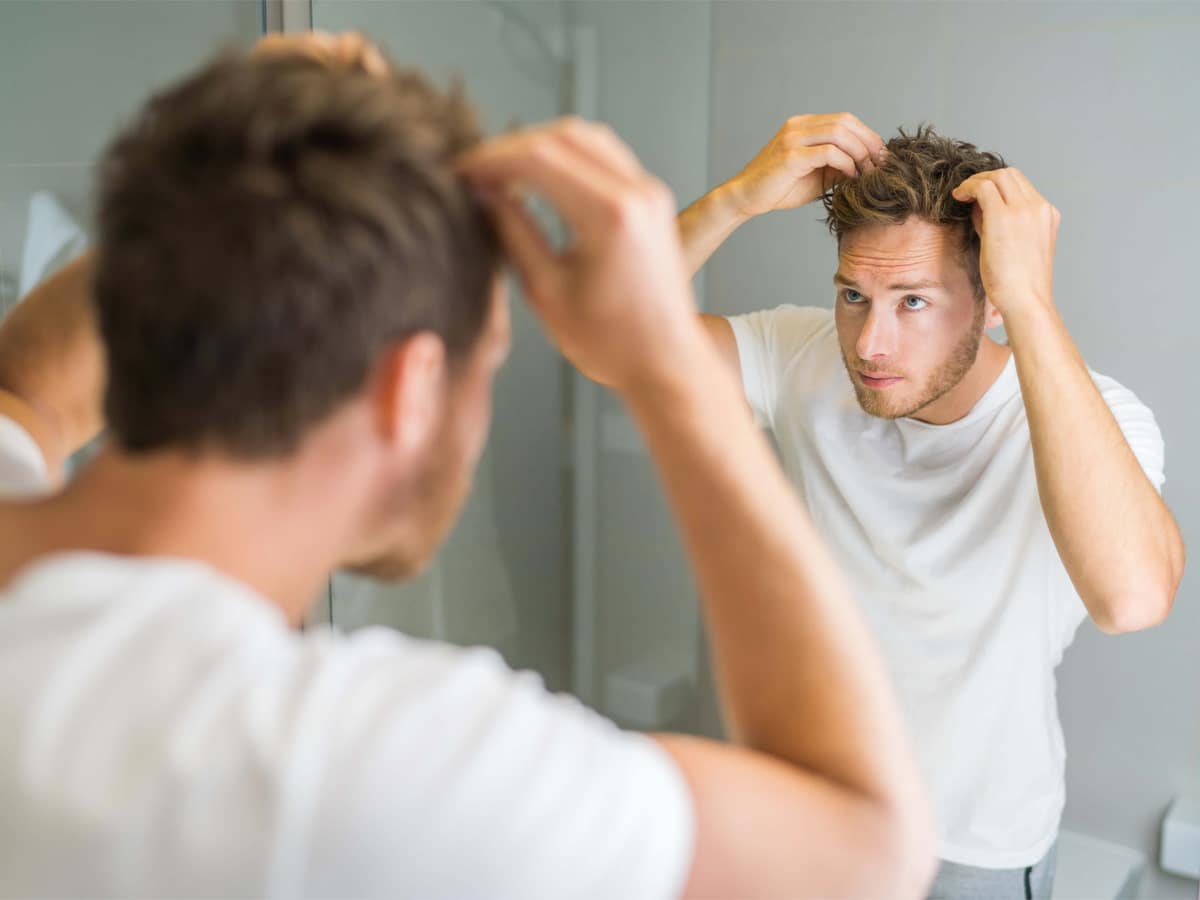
(422, 513)
(941, 381)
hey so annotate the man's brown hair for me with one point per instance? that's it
(916, 178)
(267, 227)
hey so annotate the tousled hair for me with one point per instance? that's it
(916, 178)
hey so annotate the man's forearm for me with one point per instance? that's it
(1116, 537)
(706, 224)
(795, 662)
(52, 362)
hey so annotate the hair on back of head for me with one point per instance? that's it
(268, 226)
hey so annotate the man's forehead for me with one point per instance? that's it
(913, 252)
(912, 240)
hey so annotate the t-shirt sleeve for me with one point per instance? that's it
(456, 776)
(767, 342)
(1138, 425)
(22, 467)
(1142, 433)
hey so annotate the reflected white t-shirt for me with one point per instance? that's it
(23, 470)
(164, 733)
(942, 535)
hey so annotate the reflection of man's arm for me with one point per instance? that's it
(707, 224)
(1117, 539)
(52, 364)
(806, 157)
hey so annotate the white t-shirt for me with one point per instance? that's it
(942, 535)
(163, 733)
(22, 468)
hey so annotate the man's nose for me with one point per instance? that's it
(878, 336)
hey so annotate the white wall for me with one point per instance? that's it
(1097, 103)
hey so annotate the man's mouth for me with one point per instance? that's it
(879, 380)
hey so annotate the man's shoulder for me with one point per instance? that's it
(1108, 384)
(790, 316)
(786, 331)
(1121, 400)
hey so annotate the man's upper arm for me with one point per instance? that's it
(763, 347)
(52, 367)
(766, 829)
(1141, 432)
(1138, 425)
(721, 332)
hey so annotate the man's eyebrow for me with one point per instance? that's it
(908, 286)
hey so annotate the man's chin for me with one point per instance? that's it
(870, 404)
(387, 568)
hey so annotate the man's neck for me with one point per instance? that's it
(961, 399)
(278, 528)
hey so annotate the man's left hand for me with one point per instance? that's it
(1017, 228)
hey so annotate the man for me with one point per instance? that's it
(983, 497)
(301, 312)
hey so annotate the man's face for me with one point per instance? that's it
(908, 319)
(421, 512)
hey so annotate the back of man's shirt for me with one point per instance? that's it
(163, 732)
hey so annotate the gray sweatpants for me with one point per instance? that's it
(955, 882)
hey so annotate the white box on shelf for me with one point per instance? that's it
(1092, 869)
(649, 693)
(1180, 853)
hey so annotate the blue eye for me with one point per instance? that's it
(909, 301)
(852, 296)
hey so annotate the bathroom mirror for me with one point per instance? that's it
(566, 558)
(1093, 101)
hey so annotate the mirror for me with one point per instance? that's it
(566, 558)
(1091, 101)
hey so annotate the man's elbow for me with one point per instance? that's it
(908, 850)
(1147, 597)
(1136, 610)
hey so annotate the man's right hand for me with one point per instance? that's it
(805, 158)
(617, 300)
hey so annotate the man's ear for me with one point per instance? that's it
(991, 316)
(409, 394)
